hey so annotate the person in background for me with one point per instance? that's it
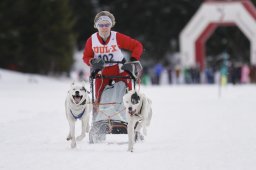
(107, 45)
(158, 69)
(245, 74)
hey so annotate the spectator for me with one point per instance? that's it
(158, 69)
(245, 72)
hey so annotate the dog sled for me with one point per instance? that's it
(109, 115)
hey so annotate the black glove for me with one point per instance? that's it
(96, 61)
(123, 60)
(97, 64)
(133, 59)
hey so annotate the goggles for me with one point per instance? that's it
(103, 18)
(104, 25)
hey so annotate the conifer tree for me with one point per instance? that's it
(39, 37)
(83, 20)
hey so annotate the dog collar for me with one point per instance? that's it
(78, 116)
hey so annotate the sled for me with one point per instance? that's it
(109, 115)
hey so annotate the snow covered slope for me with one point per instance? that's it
(192, 129)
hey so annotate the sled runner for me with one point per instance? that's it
(109, 115)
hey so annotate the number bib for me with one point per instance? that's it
(108, 52)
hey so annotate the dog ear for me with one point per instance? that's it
(72, 84)
(84, 83)
(83, 88)
(135, 98)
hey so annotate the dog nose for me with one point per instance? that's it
(130, 108)
(77, 92)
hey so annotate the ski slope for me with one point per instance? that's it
(193, 128)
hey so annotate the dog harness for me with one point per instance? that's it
(78, 116)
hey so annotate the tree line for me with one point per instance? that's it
(41, 36)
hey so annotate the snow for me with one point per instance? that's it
(192, 128)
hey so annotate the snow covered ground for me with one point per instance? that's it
(192, 129)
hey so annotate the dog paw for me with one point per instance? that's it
(79, 138)
(68, 138)
(73, 145)
(130, 149)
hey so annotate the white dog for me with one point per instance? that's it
(139, 113)
(78, 106)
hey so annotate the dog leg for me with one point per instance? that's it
(72, 133)
(84, 126)
(131, 135)
(138, 135)
(69, 136)
(69, 133)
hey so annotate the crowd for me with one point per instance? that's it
(232, 73)
(159, 74)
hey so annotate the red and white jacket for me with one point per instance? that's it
(95, 46)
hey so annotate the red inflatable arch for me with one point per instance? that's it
(211, 15)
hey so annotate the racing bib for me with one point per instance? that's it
(107, 52)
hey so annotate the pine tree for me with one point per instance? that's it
(39, 38)
(83, 20)
(10, 46)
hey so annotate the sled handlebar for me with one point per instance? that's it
(115, 62)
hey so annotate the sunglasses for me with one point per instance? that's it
(104, 25)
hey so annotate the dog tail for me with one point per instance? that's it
(148, 120)
(149, 117)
